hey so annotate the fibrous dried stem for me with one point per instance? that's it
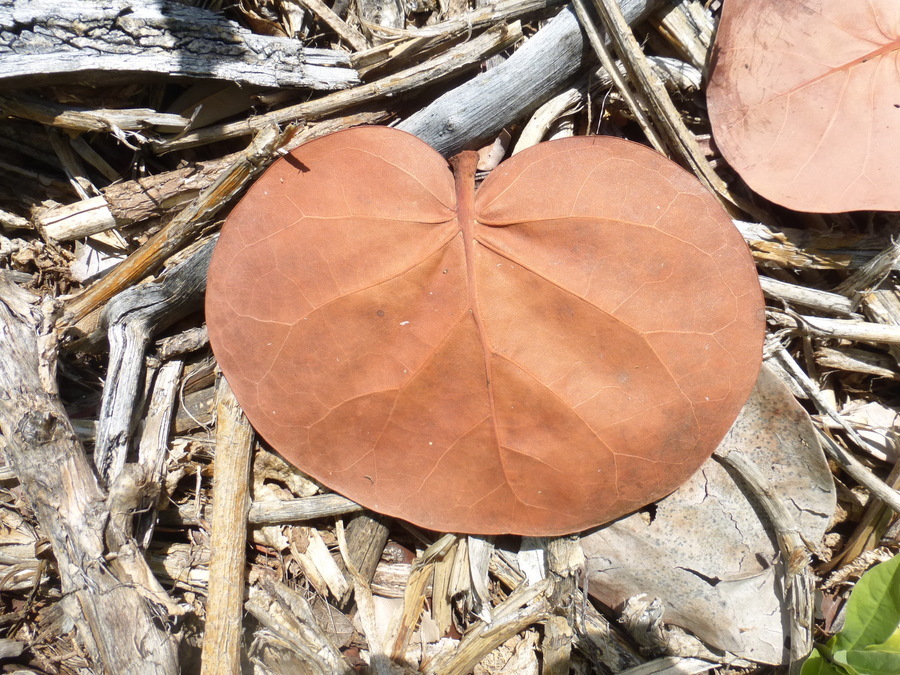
(795, 294)
(846, 329)
(84, 119)
(272, 512)
(228, 537)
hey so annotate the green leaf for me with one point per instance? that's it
(839, 661)
(874, 661)
(873, 610)
(816, 664)
(892, 644)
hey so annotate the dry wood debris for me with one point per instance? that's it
(132, 539)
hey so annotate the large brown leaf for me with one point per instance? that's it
(567, 345)
(804, 99)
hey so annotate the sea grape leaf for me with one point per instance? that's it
(816, 664)
(873, 610)
(557, 350)
(869, 642)
(730, 594)
(804, 101)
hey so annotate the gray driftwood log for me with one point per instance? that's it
(477, 110)
(41, 40)
(102, 574)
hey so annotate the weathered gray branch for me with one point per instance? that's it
(477, 110)
(41, 40)
(132, 318)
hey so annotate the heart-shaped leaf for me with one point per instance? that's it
(561, 348)
(804, 100)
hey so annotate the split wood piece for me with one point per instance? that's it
(854, 468)
(295, 640)
(802, 249)
(883, 306)
(195, 411)
(870, 528)
(131, 319)
(565, 103)
(352, 37)
(10, 221)
(300, 510)
(480, 550)
(71, 164)
(154, 445)
(160, 195)
(477, 110)
(845, 329)
(180, 230)
(598, 639)
(689, 28)
(181, 566)
(221, 653)
(379, 662)
(116, 617)
(565, 561)
(367, 535)
(317, 564)
(594, 636)
(54, 114)
(870, 275)
(92, 157)
(441, 596)
(430, 38)
(794, 294)
(420, 577)
(635, 99)
(799, 582)
(857, 361)
(526, 606)
(451, 63)
(185, 342)
(45, 41)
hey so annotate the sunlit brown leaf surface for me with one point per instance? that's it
(559, 348)
(804, 99)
